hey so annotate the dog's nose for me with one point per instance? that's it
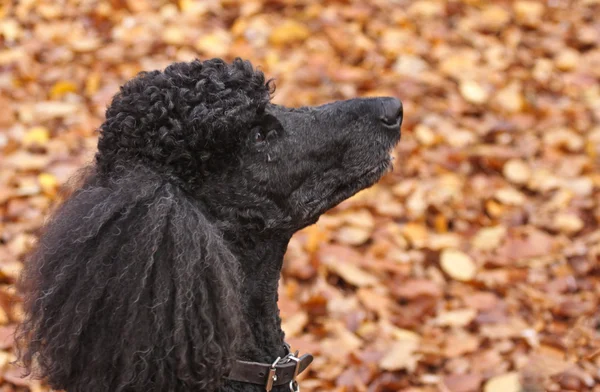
(391, 111)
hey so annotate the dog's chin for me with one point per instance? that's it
(367, 179)
(354, 185)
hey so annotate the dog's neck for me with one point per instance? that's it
(261, 258)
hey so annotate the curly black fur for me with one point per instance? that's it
(130, 279)
(162, 266)
(176, 120)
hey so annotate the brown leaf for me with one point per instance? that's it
(458, 265)
(414, 288)
(463, 382)
(288, 32)
(26, 161)
(459, 344)
(353, 235)
(514, 328)
(353, 274)
(473, 91)
(481, 300)
(508, 382)
(516, 171)
(529, 13)
(61, 88)
(455, 318)
(36, 136)
(293, 325)
(7, 336)
(401, 355)
(533, 243)
(489, 238)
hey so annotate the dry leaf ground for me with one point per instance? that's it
(473, 266)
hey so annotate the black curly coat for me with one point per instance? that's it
(162, 266)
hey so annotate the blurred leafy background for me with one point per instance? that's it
(473, 266)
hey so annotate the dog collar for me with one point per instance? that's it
(281, 371)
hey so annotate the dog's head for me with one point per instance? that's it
(211, 128)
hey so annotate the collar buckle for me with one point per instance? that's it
(272, 376)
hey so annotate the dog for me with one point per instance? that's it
(160, 271)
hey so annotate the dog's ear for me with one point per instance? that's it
(130, 288)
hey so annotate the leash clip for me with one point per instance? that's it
(294, 386)
(272, 377)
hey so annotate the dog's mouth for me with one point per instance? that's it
(393, 126)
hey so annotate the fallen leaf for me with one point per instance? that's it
(456, 318)
(293, 325)
(10, 270)
(473, 91)
(567, 59)
(481, 300)
(458, 265)
(410, 65)
(48, 183)
(7, 333)
(399, 333)
(516, 171)
(425, 135)
(508, 382)
(376, 302)
(463, 382)
(510, 196)
(511, 98)
(342, 341)
(288, 32)
(416, 234)
(564, 138)
(525, 245)
(513, 328)
(568, 223)
(61, 88)
(173, 35)
(214, 44)
(489, 238)
(528, 13)
(414, 288)
(460, 343)
(401, 355)
(353, 274)
(22, 160)
(353, 235)
(36, 136)
(548, 365)
(494, 17)
(47, 110)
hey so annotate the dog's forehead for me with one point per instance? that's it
(291, 117)
(275, 109)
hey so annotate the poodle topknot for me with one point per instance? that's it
(161, 267)
(175, 120)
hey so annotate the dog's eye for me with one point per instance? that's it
(262, 136)
(259, 137)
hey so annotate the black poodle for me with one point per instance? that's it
(160, 270)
